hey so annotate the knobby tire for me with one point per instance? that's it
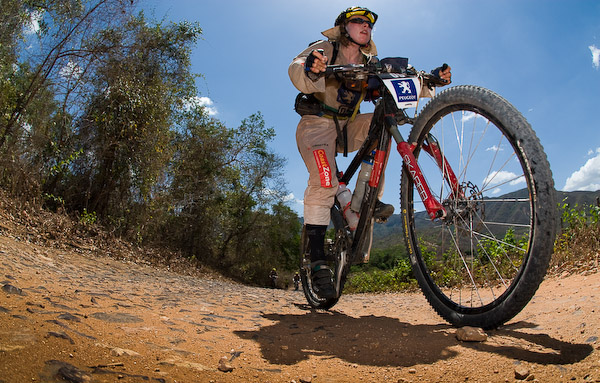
(479, 267)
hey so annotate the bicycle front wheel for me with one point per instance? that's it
(481, 263)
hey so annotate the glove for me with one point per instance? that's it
(436, 71)
(310, 59)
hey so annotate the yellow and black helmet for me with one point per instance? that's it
(355, 11)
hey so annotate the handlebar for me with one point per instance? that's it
(361, 71)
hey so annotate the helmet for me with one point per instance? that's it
(355, 11)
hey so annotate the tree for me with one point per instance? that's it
(253, 182)
(227, 193)
(198, 172)
(100, 114)
(65, 27)
(47, 50)
(126, 128)
(12, 20)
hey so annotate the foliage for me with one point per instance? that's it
(493, 256)
(54, 53)
(375, 280)
(387, 258)
(387, 270)
(87, 218)
(97, 118)
(578, 244)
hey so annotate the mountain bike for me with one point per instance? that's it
(477, 198)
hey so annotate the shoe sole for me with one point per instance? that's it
(385, 213)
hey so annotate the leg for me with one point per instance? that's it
(316, 137)
(316, 142)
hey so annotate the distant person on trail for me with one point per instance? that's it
(273, 276)
(331, 122)
(296, 280)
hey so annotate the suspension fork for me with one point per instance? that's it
(432, 147)
(432, 205)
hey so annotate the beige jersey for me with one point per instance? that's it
(325, 89)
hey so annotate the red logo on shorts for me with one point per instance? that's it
(324, 168)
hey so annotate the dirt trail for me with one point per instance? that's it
(68, 317)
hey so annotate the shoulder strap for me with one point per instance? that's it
(335, 52)
(336, 48)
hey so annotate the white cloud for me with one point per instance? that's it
(595, 56)
(205, 102)
(71, 70)
(494, 148)
(292, 199)
(587, 177)
(495, 180)
(468, 116)
(503, 177)
(33, 24)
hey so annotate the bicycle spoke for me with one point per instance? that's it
(470, 261)
(462, 258)
(487, 260)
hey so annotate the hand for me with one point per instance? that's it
(444, 72)
(316, 62)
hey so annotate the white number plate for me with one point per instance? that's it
(405, 90)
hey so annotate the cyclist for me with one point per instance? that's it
(273, 276)
(331, 122)
(296, 280)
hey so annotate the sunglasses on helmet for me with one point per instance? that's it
(361, 21)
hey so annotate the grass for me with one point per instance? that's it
(576, 249)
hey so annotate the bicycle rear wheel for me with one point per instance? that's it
(482, 263)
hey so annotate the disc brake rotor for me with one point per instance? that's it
(467, 212)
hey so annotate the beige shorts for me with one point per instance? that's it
(316, 137)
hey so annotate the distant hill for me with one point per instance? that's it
(391, 233)
(580, 198)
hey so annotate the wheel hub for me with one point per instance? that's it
(465, 209)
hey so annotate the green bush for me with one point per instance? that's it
(578, 244)
(376, 280)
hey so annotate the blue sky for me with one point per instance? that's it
(541, 55)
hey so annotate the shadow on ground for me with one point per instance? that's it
(383, 341)
(513, 342)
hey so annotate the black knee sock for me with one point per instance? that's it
(316, 241)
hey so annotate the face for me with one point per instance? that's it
(360, 31)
